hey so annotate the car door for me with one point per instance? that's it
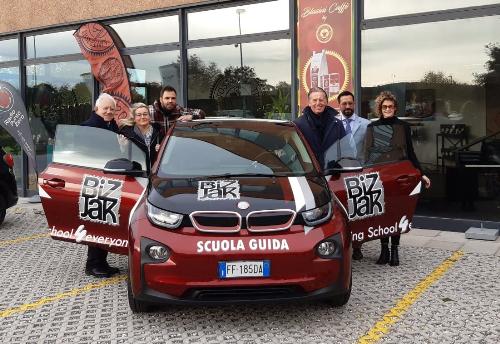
(81, 202)
(379, 201)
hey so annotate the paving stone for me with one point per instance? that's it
(479, 246)
(460, 307)
(423, 232)
(445, 245)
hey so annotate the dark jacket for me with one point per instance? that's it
(156, 138)
(389, 139)
(167, 118)
(320, 131)
(97, 121)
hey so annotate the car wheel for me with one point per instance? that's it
(3, 209)
(135, 305)
(341, 299)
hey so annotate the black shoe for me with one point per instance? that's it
(101, 271)
(98, 271)
(112, 270)
(384, 255)
(357, 254)
(394, 256)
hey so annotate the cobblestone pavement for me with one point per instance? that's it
(46, 298)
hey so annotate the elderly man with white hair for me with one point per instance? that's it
(102, 117)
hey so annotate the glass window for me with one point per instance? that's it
(10, 75)
(240, 20)
(446, 78)
(56, 93)
(235, 148)
(148, 31)
(241, 81)
(148, 73)
(383, 8)
(73, 147)
(8, 50)
(51, 44)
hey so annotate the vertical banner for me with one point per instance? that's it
(325, 47)
(106, 63)
(14, 118)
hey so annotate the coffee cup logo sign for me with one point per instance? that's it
(100, 200)
(14, 119)
(325, 47)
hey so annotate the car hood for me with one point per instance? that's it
(184, 196)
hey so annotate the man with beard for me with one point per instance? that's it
(166, 111)
(354, 126)
(319, 125)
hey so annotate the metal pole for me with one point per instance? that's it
(240, 11)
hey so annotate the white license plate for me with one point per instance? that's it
(260, 268)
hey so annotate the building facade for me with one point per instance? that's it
(240, 58)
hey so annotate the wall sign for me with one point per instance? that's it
(325, 45)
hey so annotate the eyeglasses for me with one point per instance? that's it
(142, 115)
(387, 107)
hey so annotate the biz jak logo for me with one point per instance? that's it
(100, 200)
(209, 190)
(365, 196)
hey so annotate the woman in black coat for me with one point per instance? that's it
(146, 135)
(389, 139)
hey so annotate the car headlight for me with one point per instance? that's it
(163, 218)
(318, 215)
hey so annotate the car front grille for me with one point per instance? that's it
(270, 220)
(216, 221)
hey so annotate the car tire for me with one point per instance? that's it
(341, 299)
(135, 305)
(3, 209)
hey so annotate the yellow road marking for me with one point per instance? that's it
(23, 239)
(73, 292)
(383, 326)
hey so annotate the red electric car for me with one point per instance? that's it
(233, 210)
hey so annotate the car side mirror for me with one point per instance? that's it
(125, 167)
(343, 165)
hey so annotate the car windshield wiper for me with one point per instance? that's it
(235, 175)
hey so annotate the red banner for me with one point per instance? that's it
(325, 47)
(106, 63)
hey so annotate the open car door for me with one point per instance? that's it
(82, 203)
(379, 201)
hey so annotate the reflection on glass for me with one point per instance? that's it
(235, 148)
(450, 98)
(221, 86)
(56, 93)
(383, 8)
(148, 31)
(8, 50)
(232, 21)
(10, 75)
(148, 73)
(51, 44)
(73, 147)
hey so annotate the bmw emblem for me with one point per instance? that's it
(243, 205)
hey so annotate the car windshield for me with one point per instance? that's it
(235, 148)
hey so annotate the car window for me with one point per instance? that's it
(92, 147)
(233, 147)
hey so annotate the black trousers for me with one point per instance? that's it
(96, 257)
(394, 240)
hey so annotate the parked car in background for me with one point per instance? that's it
(8, 187)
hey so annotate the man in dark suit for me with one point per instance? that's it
(102, 117)
(319, 125)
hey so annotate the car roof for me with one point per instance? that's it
(245, 122)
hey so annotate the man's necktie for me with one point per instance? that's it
(348, 125)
